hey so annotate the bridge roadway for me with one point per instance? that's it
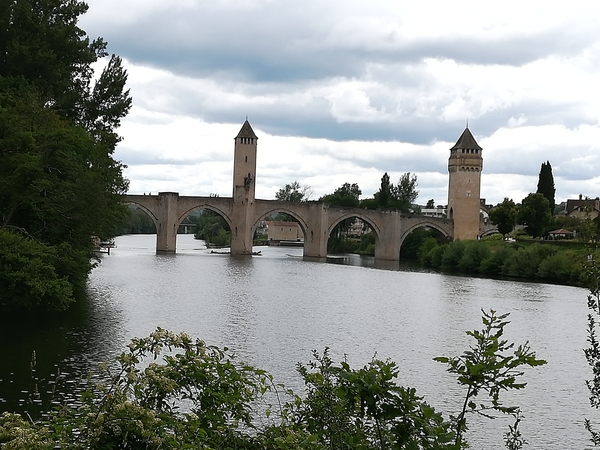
(317, 220)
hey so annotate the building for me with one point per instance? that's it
(284, 231)
(464, 184)
(583, 208)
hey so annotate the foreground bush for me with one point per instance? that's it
(171, 391)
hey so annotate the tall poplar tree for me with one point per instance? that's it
(546, 185)
(59, 184)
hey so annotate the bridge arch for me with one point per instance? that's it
(204, 206)
(147, 210)
(301, 220)
(351, 215)
(423, 224)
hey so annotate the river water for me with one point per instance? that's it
(273, 310)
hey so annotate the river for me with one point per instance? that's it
(273, 310)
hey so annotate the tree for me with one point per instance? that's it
(294, 192)
(346, 195)
(488, 367)
(430, 204)
(546, 185)
(383, 196)
(59, 184)
(405, 192)
(42, 45)
(504, 215)
(534, 213)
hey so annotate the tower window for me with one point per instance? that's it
(246, 159)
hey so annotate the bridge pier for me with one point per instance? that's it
(166, 227)
(316, 233)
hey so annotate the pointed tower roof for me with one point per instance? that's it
(246, 131)
(466, 141)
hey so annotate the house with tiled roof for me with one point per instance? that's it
(583, 207)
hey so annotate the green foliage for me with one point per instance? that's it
(405, 192)
(59, 184)
(411, 247)
(137, 222)
(534, 213)
(437, 255)
(561, 266)
(294, 192)
(212, 228)
(490, 366)
(473, 255)
(504, 215)
(400, 196)
(365, 409)
(592, 353)
(546, 185)
(425, 251)
(526, 260)
(493, 263)
(367, 244)
(29, 275)
(383, 197)
(171, 391)
(453, 254)
(346, 195)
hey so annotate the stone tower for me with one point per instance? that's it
(244, 175)
(464, 183)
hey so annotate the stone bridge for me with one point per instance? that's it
(317, 220)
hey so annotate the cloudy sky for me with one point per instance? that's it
(343, 91)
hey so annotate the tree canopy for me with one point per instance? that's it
(504, 215)
(294, 192)
(534, 213)
(59, 184)
(546, 185)
(400, 196)
(346, 195)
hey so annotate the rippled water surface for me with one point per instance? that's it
(273, 310)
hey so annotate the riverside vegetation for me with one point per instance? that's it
(171, 391)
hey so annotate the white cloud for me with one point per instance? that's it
(341, 91)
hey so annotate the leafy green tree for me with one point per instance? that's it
(492, 365)
(212, 228)
(28, 273)
(346, 195)
(59, 184)
(474, 254)
(294, 192)
(43, 45)
(405, 192)
(546, 185)
(347, 408)
(383, 197)
(534, 213)
(504, 216)
(430, 204)
(525, 262)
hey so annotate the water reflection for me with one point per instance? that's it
(273, 310)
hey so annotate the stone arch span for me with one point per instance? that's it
(360, 216)
(425, 223)
(294, 214)
(147, 210)
(204, 206)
